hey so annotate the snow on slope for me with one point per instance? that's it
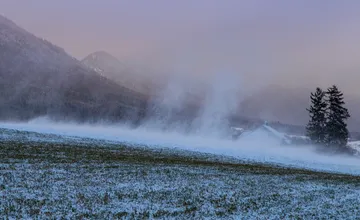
(248, 150)
(355, 145)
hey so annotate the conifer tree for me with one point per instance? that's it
(336, 127)
(315, 129)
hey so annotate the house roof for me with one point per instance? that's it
(265, 131)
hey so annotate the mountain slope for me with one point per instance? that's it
(104, 63)
(38, 78)
(110, 67)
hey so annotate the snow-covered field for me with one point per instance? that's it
(116, 175)
(258, 149)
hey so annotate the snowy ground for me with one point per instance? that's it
(258, 149)
(51, 176)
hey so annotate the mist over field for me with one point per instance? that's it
(179, 110)
(256, 148)
(102, 97)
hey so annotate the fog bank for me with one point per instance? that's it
(258, 149)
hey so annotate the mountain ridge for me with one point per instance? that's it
(112, 68)
(39, 78)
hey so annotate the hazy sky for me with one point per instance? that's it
(299, 43)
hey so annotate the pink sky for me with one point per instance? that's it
(285, 42)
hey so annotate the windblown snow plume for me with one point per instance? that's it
(221, 101)
(185, 106)
(257, 149)
(208, 131)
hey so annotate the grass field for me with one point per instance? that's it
(49, 176)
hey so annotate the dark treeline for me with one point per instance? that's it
(327, 125)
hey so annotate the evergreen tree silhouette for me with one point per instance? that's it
(336, 127)
(316, 128)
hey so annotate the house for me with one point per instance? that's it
(299, 140)
(265, 134)
(236, 132)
